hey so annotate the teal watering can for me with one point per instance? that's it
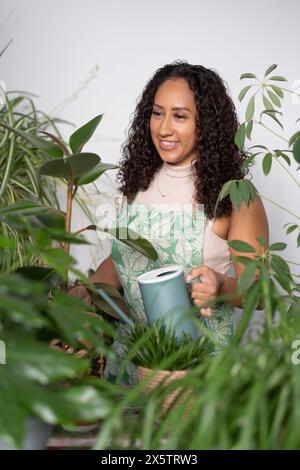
(165, 297)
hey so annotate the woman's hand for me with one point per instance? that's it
(205, 291)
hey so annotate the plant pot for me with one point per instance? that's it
(153, 378)
(35, 438)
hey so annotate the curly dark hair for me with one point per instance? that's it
(219, 159)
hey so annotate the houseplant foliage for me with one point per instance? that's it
(19, 161)
(34, 308)
(39, 380)
(245, 397)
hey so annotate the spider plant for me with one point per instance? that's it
(156, 347)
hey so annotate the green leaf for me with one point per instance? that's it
(250, 303)
(134, 240)
(79, 138)
(271, 113)
(279, 265)
(267, 163)
(291, 229)
(240, 136)
(235, 196)
(252, 189)
(49, 148)
(241, 246)
(244, 192)
(249, 129)
(76, 165)
(223, 193)
(274, 98)
(43, 274)
(258, 147)
(278, 78)
(250, 109)
(285, 157)
(267, 103)
(38, 361)
(7, 243)
(247, 277)
(262, 242)
(95, 173)
(296, 150)
(243, 92)
(277, 90)
(242, 259)
(23, 207)
(270, 69)
(277, 246)
(294, 138)
(247, 75)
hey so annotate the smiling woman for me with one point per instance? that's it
(179, 153)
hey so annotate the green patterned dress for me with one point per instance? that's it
(177, 242)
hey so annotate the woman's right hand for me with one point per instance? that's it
(81, 292)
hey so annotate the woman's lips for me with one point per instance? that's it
(168, 145)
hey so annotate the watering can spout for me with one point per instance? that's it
(116, 308)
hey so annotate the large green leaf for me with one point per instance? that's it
(296, 150)
(235, 196)
(241, 246)
(83, 134)
(267, 163)
(247, 75)
(240, 136)
(43, 274)
(95, 173)
(250, 109)
(243, 92)
(134, 240)
(76, 165)
(23, 207)
(49, 148)
(250, 303)
(270, 69)
(37, 361)
(247, 277)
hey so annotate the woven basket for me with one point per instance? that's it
(152, 378)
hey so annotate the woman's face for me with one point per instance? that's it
(173, 122)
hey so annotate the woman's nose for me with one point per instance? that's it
(165, 127)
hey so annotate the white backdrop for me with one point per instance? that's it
(86, 57)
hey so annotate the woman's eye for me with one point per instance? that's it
(179, 116)
(156, 113)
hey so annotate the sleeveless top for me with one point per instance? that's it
(181, 235)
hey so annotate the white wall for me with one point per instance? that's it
(57, 44)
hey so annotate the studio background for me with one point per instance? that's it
(83, 58)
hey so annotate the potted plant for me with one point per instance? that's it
(162, 357)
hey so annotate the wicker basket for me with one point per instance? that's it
(152, 378)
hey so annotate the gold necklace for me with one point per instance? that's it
(163, 194)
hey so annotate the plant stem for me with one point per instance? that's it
(293, 178)
(273, 132)
(278, 205)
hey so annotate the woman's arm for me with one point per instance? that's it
(247, 224)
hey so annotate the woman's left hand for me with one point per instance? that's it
(205, 291)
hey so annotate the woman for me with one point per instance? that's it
(180, 150)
